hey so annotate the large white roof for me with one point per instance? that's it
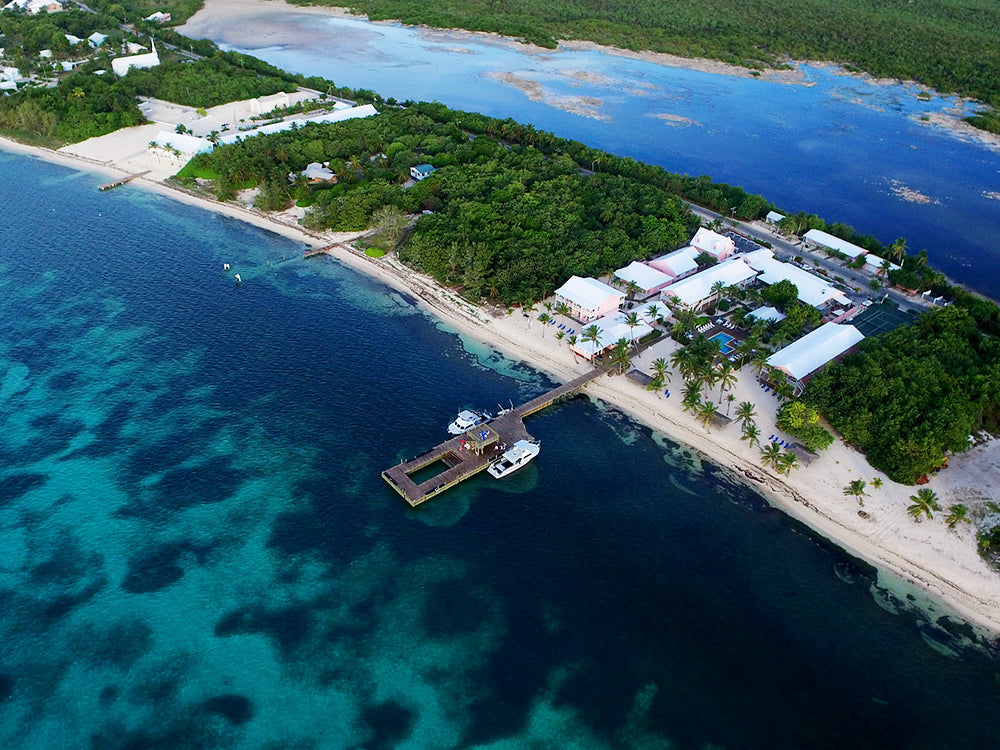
(679, 261)
(815, 349)
(612, 329)
(587, 293)
(694, 289)
(713, 243)
(834, 243)
(767, 313)
(186, 144)
(365, 110)
(875, 263)
(643, 276)
(812, 289)
(645, 311)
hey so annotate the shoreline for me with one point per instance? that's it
(943, 564)
(261, 34)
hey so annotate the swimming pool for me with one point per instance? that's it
(725, 342)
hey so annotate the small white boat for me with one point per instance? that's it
(514, 458)
(225, 267)
(238, 279)
(466, 420)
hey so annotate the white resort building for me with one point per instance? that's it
(588, 299)
(800, 359)
(695, 291)
(612, 329)
(823, 239)
(813, 290)
(646, 278)
(678, 264)
(122, 65)
(718, 246)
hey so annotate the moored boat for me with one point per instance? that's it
(514, 458)
(466, 420)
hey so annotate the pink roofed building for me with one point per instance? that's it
(647, 280)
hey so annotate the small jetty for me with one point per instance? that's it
(319, 251)
(121, 181)
(466, 455)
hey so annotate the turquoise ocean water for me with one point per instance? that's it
(197, 550)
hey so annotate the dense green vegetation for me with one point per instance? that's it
(92, 101)
(509, 222)
(949, 45)
(910, 397)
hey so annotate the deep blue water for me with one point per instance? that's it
(838, 146)
(197, 550)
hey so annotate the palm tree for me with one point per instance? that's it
(857, 488)
(631, 289)
(726, 376)
(592, 333)
(745, 412)
(560, 335)
(786, 462)
(717, 289)
(529, 310)
(758, 361)
(876, 482)
(681, 360)
(729, 402)
(544, 318)
(654, 314)
(751, 433)
(770, 455)
(661, 370)
(692, 396)
(705, 413)
(620, 356)
(924, 502)
(898, 249)
(632, 320)
(957, 514)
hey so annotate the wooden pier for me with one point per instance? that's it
(121, 181)
(467, 455)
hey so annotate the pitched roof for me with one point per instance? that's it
(812, 289)
(834, 243)
(713, 243)
(694, 289)
(679, 261)
(643, 276)
(815, 349)
(587, 293)
(612, 328)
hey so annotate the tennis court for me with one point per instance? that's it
(881, 318)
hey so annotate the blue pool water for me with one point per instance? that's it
(725, 342)
(197, 550)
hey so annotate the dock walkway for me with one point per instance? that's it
(459, 456)
(121, 181)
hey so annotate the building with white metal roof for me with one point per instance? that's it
(802, 358)
(588, 298)
(773, 217)
(365, 110)
(713, 243)
(678, 264)
(694, 291)
(767, 313)
(813, 290)
(874, 263)
(613, 329)
(830, 242)
(122, 65)
(648, 279)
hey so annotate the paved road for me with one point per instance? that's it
(786, 250)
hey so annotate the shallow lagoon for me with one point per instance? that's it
(849, 150)
(197, 551)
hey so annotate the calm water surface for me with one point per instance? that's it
(839, 147)
(197, 551)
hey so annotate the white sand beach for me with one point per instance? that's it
(911, 556)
